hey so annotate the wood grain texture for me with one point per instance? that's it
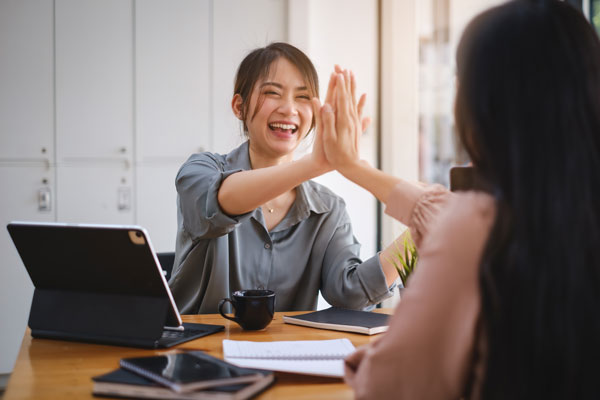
(53, 369)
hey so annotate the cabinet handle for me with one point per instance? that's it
(44, 199)
(124, 198)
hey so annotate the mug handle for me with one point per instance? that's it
(221, 304)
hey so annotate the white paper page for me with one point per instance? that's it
(311, 357)
(296, 349)
(329, 368)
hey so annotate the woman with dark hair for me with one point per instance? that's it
(504, 302)
(253, 219)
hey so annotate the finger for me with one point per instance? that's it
(353, 359)
(365, 122)
(316, 106)
(348, 81)
(349, 374)
(353, 87)
(338, 69)
(328, 119)
(361, 105)
(351, 99)
(340, 94)
(330, 89)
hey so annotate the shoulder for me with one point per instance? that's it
(318, 193)
(475, 208)
(450, 255)
(206, 158)
(208, 162)
(464, 223)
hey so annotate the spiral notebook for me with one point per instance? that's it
(309, 357)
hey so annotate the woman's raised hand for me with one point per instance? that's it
(318, 152)
(340, 120)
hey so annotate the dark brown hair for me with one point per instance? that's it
(528, 112)
(257, 65)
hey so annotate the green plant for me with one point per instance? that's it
(405, 259)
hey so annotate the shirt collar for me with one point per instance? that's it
(239, 158)
(308, 200)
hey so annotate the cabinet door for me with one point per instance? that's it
(94, 79)
(156, 203)
(239, 27)
(23, 188)
(95, 193)
(172, 78)
(26, 79)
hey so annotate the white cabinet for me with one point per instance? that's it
(94, 110)
(242, 26)
(95, 193)
(156, 202)
(94, 79)
(27, 174)
(173, 103)
(26, 79)
(22, 185)
(172, 70)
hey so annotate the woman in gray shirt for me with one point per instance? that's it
(253, 219)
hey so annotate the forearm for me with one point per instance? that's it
(388, 256)
(246, 190)
(375, 181)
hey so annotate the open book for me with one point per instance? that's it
(311, 357)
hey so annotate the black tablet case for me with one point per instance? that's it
(93, 283)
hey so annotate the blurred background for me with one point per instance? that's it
(101, 101)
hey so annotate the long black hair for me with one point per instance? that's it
(528, 112)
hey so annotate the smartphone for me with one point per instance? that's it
(190, 371)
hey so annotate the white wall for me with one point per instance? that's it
(345, 32)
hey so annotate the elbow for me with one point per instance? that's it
(228, 201)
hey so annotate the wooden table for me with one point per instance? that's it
(54, 369)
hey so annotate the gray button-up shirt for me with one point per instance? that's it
(311, 249)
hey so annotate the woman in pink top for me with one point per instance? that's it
(506, 297)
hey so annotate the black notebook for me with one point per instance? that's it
(190, 371)
(341, 319)
(123, 383)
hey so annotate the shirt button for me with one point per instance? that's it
(267, 246)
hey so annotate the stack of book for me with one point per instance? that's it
(182, 376)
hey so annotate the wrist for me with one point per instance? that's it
(314, 167)
(352, 168)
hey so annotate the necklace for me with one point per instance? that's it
(270, 209)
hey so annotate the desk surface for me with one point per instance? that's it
(53, 369)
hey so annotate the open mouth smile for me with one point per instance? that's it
(283, 128)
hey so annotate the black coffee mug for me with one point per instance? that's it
(252, 309)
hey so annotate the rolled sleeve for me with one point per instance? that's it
(347, 281)
(198, 183)
(417, 205)
(373, 280)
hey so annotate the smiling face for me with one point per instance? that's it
(279, 114)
